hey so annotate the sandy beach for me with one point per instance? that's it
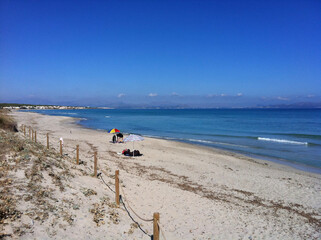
(200, 193)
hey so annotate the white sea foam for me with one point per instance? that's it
(220, 143)
(281, 141)
(169, 138)
(201, 141)
(107, 116)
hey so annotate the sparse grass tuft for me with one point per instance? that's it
(6, 122)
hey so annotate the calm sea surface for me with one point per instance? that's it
(292, 137)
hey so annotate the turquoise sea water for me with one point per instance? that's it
(291, 137)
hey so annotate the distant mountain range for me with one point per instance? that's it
(298, 105)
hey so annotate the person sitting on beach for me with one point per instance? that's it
(120, 138)
(114, 139)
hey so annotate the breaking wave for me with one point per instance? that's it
(281, 141)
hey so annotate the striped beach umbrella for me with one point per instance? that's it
(114, 130)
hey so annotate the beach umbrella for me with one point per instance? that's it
(114, 130)
(133, 138)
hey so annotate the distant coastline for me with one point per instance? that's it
(298, 105)
(18, 106)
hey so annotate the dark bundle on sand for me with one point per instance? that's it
(6, 121)
(135, 153)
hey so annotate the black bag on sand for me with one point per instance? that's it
(136, 153)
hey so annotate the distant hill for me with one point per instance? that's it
(299, 105)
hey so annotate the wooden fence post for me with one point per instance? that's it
(117, 187)
(77, 154)
(29, 132)
(155, 226)
(33, 133)
(24, 130)
(95, 164)
(47, 140)
(35, 136)
(60, 147)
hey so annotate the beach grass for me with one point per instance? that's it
(6, 122)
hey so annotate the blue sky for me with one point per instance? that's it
(217, 53)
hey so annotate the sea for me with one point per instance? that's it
(286, 136)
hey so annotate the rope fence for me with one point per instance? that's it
(143, 219)
(101, 177)
(119, 199)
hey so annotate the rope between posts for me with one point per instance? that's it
(161, 229)
(100, 175)
(121, 200)
(143, 219)
(66, 154)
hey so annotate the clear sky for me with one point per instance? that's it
(222, 53)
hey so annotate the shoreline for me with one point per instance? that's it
(267, 161)
(255, 157)
(200, 192)
(278, 163)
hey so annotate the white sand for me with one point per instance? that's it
(200, 193)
